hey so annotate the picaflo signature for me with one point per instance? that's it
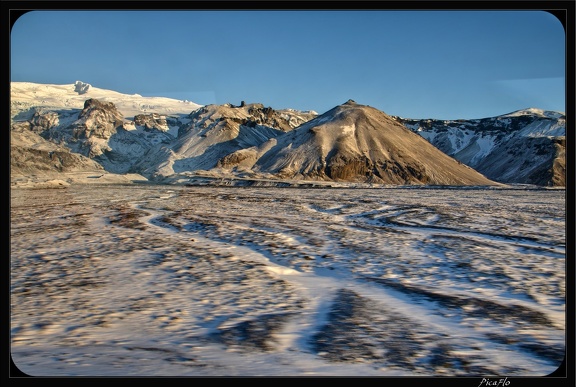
(494, 382)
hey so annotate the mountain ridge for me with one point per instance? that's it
(250, 140)
(524, 147)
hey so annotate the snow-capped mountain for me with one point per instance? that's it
(27, 96)
(114, 129)
(169, 140)
(526, 146)
(177, 136)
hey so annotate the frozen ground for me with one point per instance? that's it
(142, 280)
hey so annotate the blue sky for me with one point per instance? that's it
(416, 64)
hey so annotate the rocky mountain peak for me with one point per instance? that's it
(92, 103)
(98, 120)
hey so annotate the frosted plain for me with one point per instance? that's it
(144, 280)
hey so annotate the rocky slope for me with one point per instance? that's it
(356, 143)
(30, 154)
(214, 132)
(38, 163)
(526, 146)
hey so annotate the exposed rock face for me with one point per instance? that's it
(358, 143)
(100, 132)
(528, 160)
(98, 119)
(30, 161)
(251, 115)
(243, 158)
(520, 147)
(559, 164)
(42, 122)
(30, 154)
(551, 172)
(151, 122)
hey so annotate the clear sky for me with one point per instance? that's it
(415, 64)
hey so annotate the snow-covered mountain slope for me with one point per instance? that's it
(25, 96)
(100, 132)
(38, 163)
(358, 143)
(216, 131)
(132, 133)
(525, 146)
(114, 129)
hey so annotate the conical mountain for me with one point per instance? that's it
(354, 143)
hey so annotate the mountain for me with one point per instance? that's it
(38, 163)
(30, 154)
(526, 146)
(25, 97)
(100, 132)
(111, 128)
(354, 143)
(178, 136)
(169, 141)
(216, 131)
